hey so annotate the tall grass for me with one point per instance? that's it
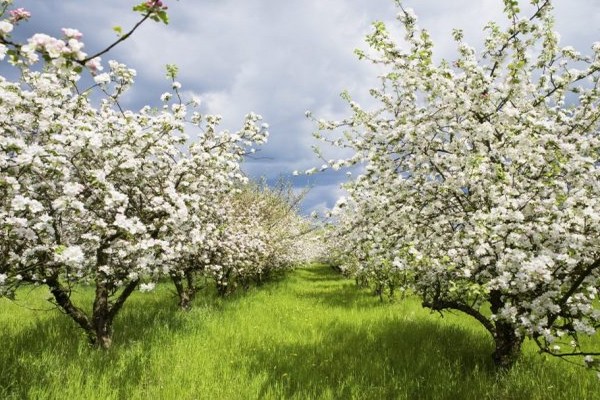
(311, 335)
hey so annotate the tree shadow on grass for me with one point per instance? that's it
(391, 359)
(55, 343)
(322, 285)
(346, 295)
(326, 287)
(320, 273)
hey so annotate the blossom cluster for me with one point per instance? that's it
(61, 53)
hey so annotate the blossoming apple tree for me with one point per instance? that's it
(97, 194)
(257, 231)
(481, 180)
(287, 238)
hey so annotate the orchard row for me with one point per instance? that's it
(103, 196)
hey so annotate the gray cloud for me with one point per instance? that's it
(277, 58)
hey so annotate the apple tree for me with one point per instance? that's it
(481, 178)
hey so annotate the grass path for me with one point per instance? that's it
(310, 335)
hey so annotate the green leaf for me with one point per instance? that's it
(13, 55)
(500, 174)
(143, 8)
(118, 30)
(172, 71)
(162, 15)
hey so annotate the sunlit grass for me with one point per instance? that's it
(311, 335)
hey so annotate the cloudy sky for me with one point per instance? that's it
(278, 58)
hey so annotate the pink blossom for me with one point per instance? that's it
(156, 4)
(19, 14)
(94, 65)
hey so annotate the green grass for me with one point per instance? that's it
(311, 335)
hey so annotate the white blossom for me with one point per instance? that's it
(147, 287)
(5, 27)
(102, 79)
(72, 256)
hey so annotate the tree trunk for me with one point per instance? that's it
(186, 290)
(101, 317)
(105, 311)
(507, 342)
(225, 284)
(508, 345)
(98, 328)
(102, 332)
(63, 301)
(184, 298)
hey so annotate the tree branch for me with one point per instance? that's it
(121, 39)
(440, 305)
